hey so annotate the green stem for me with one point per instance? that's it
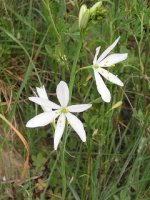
(63, 166)
(47, 6)
(49, 178)
(63, 162)
(71, 83)
(139, 53)
(83, 68)
(73, 71)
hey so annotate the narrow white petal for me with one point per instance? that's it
(101, 87)
(44, 102)
(109, 76)
(59, 130)
(79, 108)
(62, 92)
(113, 59)
(96, 54)
(42, 119)
(77, 125)
(41, 92)
(108, 50)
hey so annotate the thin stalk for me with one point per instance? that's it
(73, 71)
(51, 19)
(71, 83)
(54, 27)
(63, 166)
(145, 74)
(83, 68)
(139, 54)
(50, 175)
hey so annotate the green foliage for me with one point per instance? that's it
(38, 162)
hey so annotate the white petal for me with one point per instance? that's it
(77, 126)
(41, 92)
(109, 76)
(101, 87)
(59, 130)
(108, 50)
(96, 54)
(62, 92)
(44, 102)
(113, 59)
(79, 108)
(42, 119)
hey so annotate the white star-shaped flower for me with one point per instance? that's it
(106, 61)
(63, 111)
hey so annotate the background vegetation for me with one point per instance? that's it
(114, 164)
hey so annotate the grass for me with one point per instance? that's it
(40, 44)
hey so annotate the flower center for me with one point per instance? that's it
(95, 66)
(64, 110)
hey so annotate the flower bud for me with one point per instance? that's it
(83, 17)
(97, 12)
(95, 7)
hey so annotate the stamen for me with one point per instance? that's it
(105, 65)
(64, 110)
(96, 66)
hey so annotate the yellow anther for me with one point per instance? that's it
(106, 63)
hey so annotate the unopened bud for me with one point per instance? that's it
(83, 17)
(97, 12)
(118, 104)
(95, 7)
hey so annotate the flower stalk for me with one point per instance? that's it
(63, 165)
(73, 71)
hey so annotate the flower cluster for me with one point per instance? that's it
(64, 111)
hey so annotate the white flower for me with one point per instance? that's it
(106, 61)
(63, 111)
(42, 94)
